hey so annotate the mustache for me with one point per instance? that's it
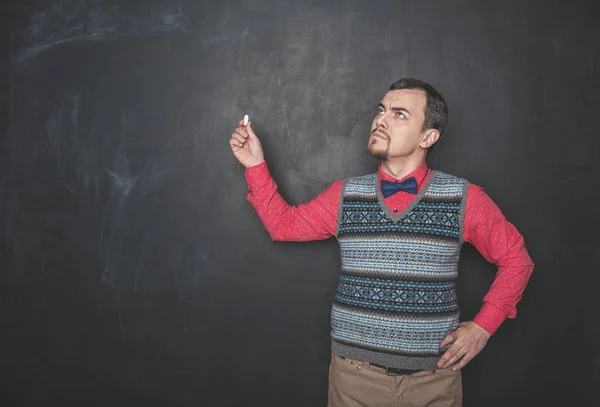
(380, 132)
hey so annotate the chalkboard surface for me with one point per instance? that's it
(135, 272)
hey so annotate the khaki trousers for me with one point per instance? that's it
(353, 383)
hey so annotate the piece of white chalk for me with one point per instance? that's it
(246, 120)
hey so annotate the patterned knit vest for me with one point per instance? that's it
(396, 298)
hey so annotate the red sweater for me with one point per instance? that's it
(485, 227)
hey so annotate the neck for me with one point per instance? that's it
(401, 167)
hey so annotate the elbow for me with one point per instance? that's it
(275, 237)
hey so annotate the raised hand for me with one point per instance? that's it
(246, 146)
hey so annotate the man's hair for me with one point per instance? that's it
(436, 109)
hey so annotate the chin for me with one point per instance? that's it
(380, 155)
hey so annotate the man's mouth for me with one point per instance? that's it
(379, 135)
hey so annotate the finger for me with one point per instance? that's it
(250, 131)
(240, 123)
(448, 339)
(242, 132)
(465, 359)
(449, 354)
(238, 137)
(454, 358)
(235, 144)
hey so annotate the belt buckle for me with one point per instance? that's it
(390, 371)
(394, 371)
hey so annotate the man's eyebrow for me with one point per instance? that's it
(395, 109)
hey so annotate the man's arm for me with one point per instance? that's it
(499, 242)
(314, 220)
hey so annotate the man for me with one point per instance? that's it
(396, 337)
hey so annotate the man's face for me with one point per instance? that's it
(397, 129)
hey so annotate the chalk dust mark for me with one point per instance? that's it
(54, 132)
(138, 271)
(76, 150)
(66, 21)
(108, 275)
(122, 182)
(239, 63)
(285, 120)
(119, 315)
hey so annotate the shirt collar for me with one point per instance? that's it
(419, 174)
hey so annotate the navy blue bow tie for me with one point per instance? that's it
(389, 188)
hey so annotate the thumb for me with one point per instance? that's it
(250, 131)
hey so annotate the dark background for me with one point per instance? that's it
(134, 271)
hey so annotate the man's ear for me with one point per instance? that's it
(430, 138)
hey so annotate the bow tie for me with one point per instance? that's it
(389, 188)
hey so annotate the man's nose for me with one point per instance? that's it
(381, 121)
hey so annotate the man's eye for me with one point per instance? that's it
(401, 115)
(379, 110)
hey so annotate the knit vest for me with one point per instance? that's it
(396, 298)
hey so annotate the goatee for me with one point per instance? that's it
(380, 155)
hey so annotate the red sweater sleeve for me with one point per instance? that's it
(313, 220)
(499, 242)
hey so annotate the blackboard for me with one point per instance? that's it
(133, 270)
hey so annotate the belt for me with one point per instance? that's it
(393, 371)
